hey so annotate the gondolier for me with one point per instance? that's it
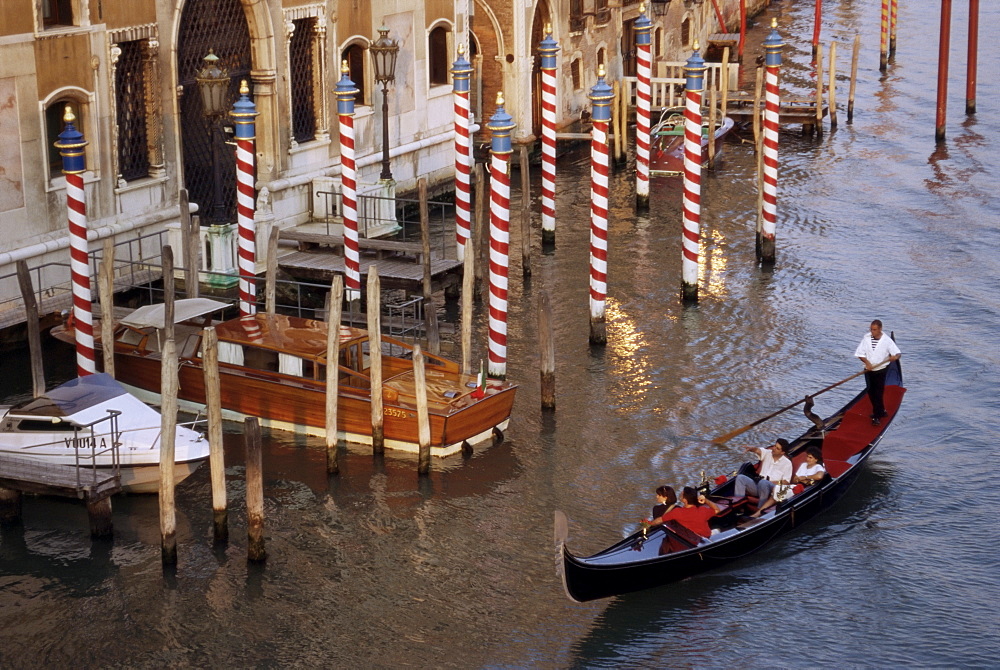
(876, 352)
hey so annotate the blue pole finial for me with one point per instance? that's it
(772, 46)
(461, 72)
(500, 126)
(601, 96)
(694, 70)
(643, 27)
(71, 144)
(345, 90)
(244, 112)
(548, 48)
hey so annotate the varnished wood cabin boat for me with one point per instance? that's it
(275, 368)
(666, 157)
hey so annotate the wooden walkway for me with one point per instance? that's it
(30, 475)
(394, 272)
(792, 110)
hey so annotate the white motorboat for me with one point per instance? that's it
(92, 422)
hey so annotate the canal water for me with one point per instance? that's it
(379, 568)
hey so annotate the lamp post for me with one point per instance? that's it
(213, 84)
(384, 51)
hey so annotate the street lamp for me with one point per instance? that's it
(384, 51)
(213, 84)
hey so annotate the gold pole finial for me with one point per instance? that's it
(600, 70)
(642, 7)
(461, 49)
(499, 98)
(774, 22)
(244, 89)
(548, 28)
(68, 115)
(344, 67)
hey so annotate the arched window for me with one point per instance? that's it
(437, 56)
(355, 57)
(686, 31)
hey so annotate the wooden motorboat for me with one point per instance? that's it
(666, 151)
(275, 368)
(93, 423)
(667, 554)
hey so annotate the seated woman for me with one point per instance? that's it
(810, 472)
(812, 469)
(694, 515)
(666, 500)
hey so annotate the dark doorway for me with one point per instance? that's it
(220, 26)
(538, 24)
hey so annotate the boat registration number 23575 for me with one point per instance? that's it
(392, 411)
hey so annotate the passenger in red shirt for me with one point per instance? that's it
(694, 515)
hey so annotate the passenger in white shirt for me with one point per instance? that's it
(876, 352)
(775, 468)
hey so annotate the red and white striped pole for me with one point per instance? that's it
(601, 96)
(643, 102)
(500, 125)
(892, 27)
(548, 48)
(461, 74)
(883, 61)
(346, 90)
(71, 147)
(694, 70)
(772, 105)
(243, 114)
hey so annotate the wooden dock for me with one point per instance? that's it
(399, 263)
(792, 110)
(30, 475)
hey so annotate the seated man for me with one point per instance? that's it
(775, 468)
(694, 515)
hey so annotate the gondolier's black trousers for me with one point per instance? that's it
(875, 379)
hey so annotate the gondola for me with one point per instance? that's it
(667, 554)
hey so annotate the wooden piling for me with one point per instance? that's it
(169, 292)
(724, 83)
(854, 77)
(11, 506)
(190, 265)
(193, 257)
(973, 57)
(256, 552)
(168, 434)
(831, 89)
(99, 515)
(944, 45)
(616, 137)
(525, 213)
(271, 280)
(375, 351)
(547, 351)
(34, 331)
(423, 419)
(819, 89)
(756, 106)
(712, 118)
(430, 311)
(332, 369)
(106, 293)
(468, 289)
(216, 457)
(626, 95)
(481, 232)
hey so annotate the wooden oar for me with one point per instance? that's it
(733, 433)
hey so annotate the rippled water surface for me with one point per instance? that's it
(377, 567)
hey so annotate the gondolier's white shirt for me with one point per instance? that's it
(878, 356)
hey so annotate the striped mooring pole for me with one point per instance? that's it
(548, 48)
(346, 90)
(892, 26)
(243, 114)
(643, 101)
(769, 203)
(601, 96)
(71, 147)
(694, 71)
(883, 52)
(500, 125)
(461, 75)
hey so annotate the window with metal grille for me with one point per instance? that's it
(437, 51)
(686, 31)
(355, 57)
(302, 71)
(574, 69)
(130, 104)
(577, 19)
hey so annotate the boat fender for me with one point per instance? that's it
(497, 435)
(466, 448)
